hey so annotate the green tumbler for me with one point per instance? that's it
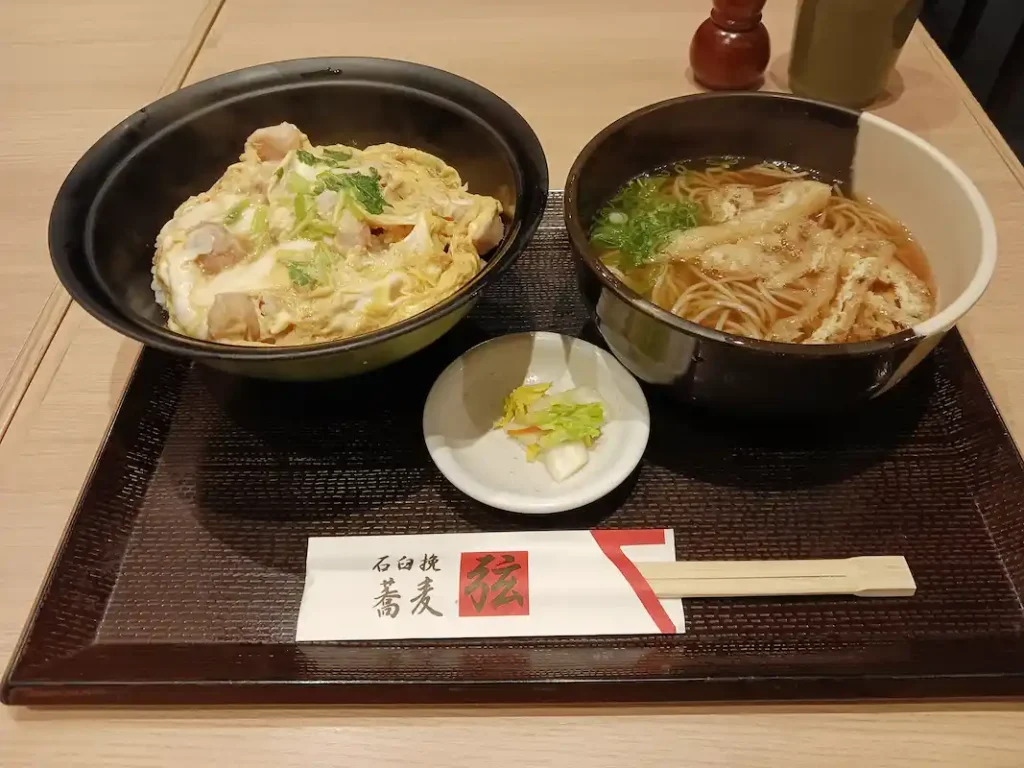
(845, 50)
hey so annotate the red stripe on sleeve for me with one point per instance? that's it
(611, 544)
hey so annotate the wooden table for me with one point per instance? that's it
(570, 67)
(69, 71)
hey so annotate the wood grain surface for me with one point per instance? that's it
(68, 72)
(570, 67)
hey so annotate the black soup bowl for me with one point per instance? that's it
(106, 217)
(908, 177)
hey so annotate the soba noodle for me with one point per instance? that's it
(765, 252)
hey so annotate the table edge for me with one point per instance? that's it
(30, 357)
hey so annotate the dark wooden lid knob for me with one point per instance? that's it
(731, 49)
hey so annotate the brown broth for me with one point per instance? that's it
(908, 250)
(699, 182)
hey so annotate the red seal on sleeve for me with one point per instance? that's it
(494, 584)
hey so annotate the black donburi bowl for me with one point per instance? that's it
(905, 175)
(106, 217)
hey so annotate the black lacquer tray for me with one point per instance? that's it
(180, 574)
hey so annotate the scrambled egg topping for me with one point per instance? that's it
(297, 244)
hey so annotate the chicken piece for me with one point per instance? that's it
(487, 236)
(276, 141)
(352, 233)
(233, 317)
(482, 218)
(216, 247)
(794, 201)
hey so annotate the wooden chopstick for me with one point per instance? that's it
(860, 576)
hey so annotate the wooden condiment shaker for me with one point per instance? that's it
(731, 49)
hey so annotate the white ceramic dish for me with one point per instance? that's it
(491, 467)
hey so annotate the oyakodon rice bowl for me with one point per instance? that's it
(766, 253)
(297, 244)
(335, 250)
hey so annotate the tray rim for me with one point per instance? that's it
(7, 683)
(734, 688)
